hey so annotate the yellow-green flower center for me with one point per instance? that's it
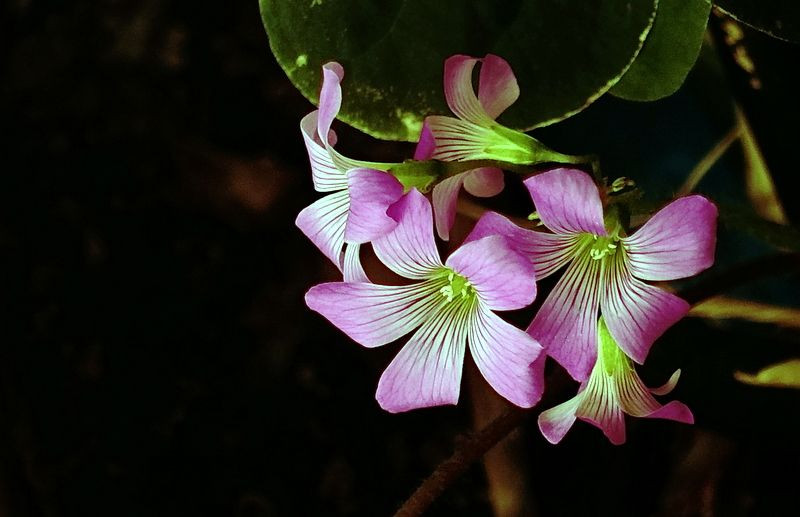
(457, 287)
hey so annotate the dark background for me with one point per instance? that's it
(156, 354)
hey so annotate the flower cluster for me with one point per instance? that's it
(601, 317)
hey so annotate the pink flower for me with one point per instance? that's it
(606, 268)
(613, 388)
(474, 134)
(449, 305)
(355, 211)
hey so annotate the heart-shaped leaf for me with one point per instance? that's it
(565, 54)
(669, 52)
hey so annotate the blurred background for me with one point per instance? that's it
(156, 356)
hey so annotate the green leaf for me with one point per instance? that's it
(669, 52)
(780, 375)
(778, 18)
(565, 54)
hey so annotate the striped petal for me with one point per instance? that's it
(326, 176)
(352, 270)
(445, 199)
(567, 201)
(635, 399)
(600, 407)
(330, 99)
(410, 249)
(502, 278)
(373, 315)
(677, 242)
(427, 371)
(459, 92)
(371, 194)
(497, 86)
(557, 421)
(324, 223)
(547, 251)
(484, 181)
(460, 140)
(636, 313)
(566, 324)
(504, 355)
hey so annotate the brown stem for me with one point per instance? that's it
(467, 452)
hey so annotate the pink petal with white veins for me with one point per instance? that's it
(566, 324)
(677, 411)
(567, 201)
(677, 242)
(410, 249)
(324, 223)
(427, 371)
(637, 313)
(484, 182)
(327, 177)
(372, 192)
(352, 270)
(373, 315)
(330, 98)
(547, 251)
(557, 421)
(497, 87)
(459, 140)
(426, 145)
(504, 355)
(459, 92)
(502, 278)
(445, 200)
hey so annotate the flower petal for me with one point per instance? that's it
(677, 242)
(556, 421)
(600, 407)
(484, 182)
(547, 251)
(351, 268)
(459, 140)
(410, 249)
(373, 315)
(327, 177)
(426, 144)
(445, 199)
(674, 410)
(636, 313)
(504, 355)
(427, 371)
(502, 278)
(669, 385)
(371, 194)
(567, 201)
(497, 87)
(566, 324)
(459, 92)
(324, 222)
(330, 98)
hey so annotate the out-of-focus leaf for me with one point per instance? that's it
(669, 52)
(780, 375)
(760, 186)
(565, 54)
(743, 219)
(723, 307)
(778, 18)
